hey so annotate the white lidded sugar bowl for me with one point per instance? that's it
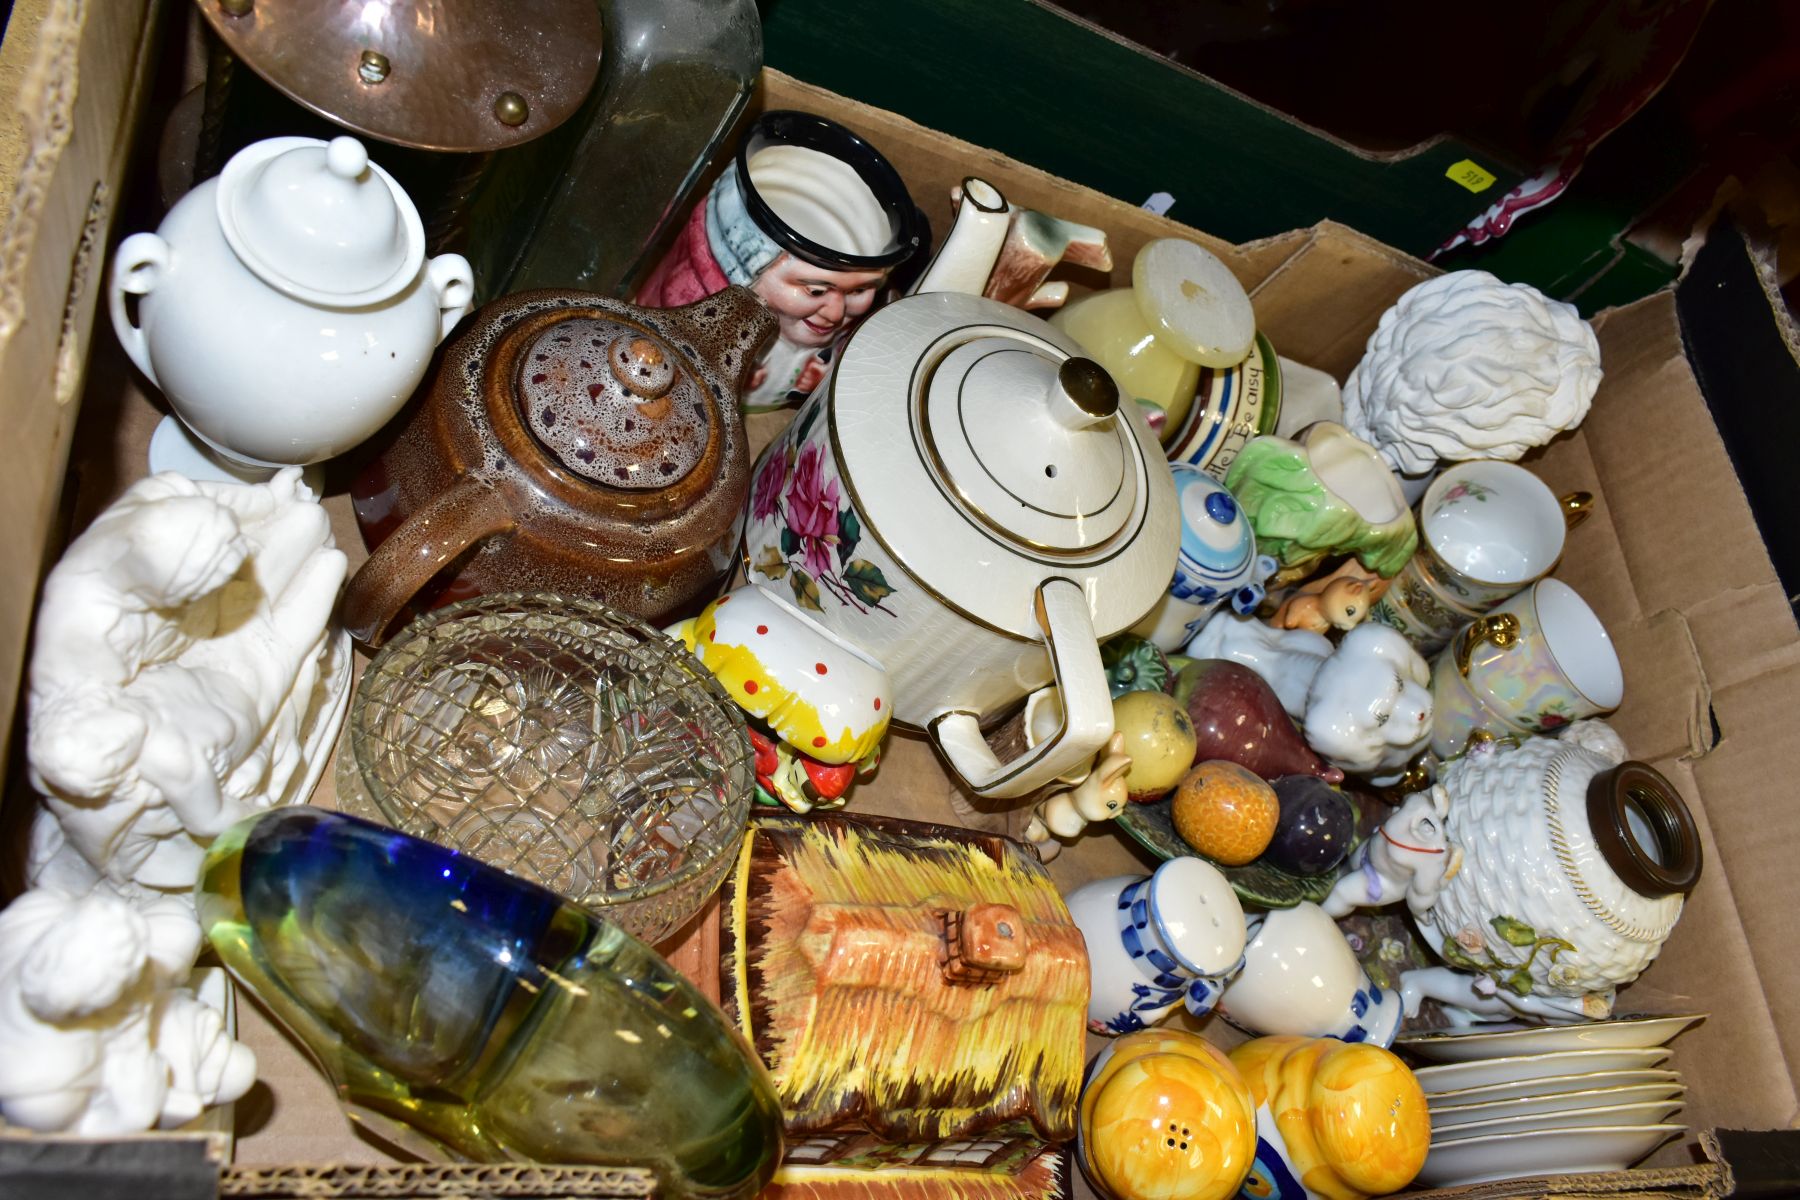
(286, 308)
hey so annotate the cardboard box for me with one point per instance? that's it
(1672, 562)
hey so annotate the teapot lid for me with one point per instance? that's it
(319, 221)
(986, 455)
(613, 404)
(1025, 438)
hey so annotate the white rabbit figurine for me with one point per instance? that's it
(1099, 797)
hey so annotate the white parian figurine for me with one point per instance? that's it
(1465, 366)
(184, 675)
(95, 1038)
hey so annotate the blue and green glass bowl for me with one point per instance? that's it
(463, 1013)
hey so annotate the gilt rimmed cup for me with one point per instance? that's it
(1538, 662)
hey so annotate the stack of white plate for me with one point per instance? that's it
(1513, 1102)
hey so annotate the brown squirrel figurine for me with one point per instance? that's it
(1340, 600)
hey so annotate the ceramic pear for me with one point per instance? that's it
(1238, 717)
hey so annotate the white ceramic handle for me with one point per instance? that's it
(138, 264)
(1086, 702)
(452, 281)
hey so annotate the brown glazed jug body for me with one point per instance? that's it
(566, 442)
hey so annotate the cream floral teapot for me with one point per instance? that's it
(966, 501)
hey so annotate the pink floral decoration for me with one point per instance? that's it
(813, 510)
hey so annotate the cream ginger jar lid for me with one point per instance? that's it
(987, 455)
(319, 221)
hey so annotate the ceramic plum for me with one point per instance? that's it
(1238, 717)
(1334, 1121)
(1226, 812)
(1165, 1116)
(1315, 828)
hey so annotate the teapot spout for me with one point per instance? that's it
(727, 330)
(969, 253)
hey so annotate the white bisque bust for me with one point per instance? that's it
(95, 1038)
(1465, 366)
(184, 675)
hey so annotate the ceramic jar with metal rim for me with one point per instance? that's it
(1576, 866)
(966, 501)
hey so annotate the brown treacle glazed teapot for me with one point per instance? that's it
(567, 442)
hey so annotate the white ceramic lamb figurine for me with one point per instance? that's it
(94, 1037)
(1409, 858)
(1099, 797)
(1465, 366)
(1364, 707)
(1368, 711)
(184, 675)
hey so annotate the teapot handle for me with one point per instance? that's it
(141, 260)
(455, 519)
(452, 282)
(1062, 610)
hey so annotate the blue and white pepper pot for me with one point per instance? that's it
(1217, 561)
(1158, 941)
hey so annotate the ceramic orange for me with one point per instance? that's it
(1334, 1120)
(1226, 812)
(1166, 1116)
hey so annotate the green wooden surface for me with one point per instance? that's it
(1034, 84)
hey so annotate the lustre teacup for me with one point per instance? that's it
(1533, 665)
